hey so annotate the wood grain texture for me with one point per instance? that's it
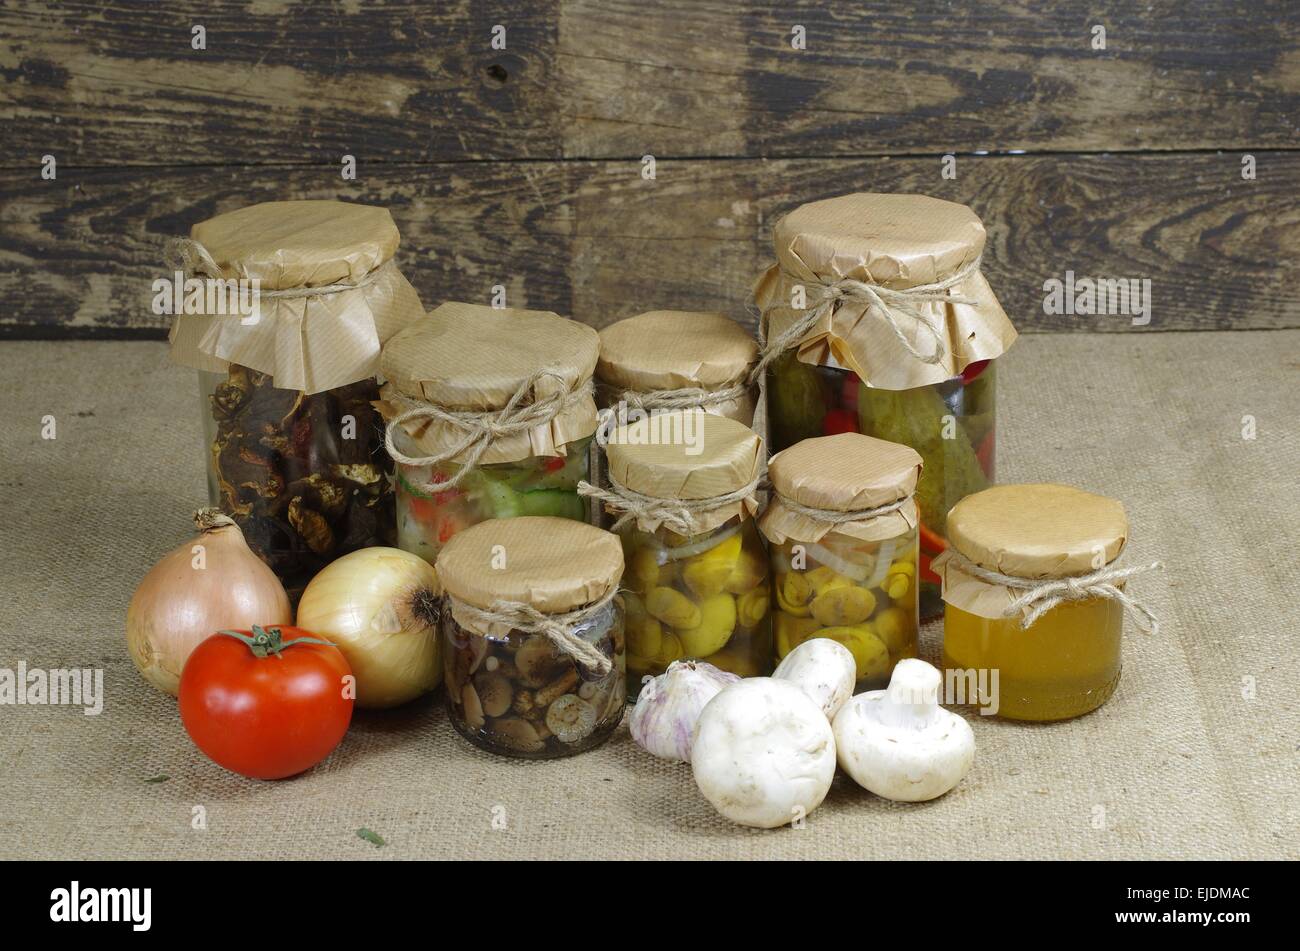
(288, 81)
(596, 241)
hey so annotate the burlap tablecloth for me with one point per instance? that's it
(1184, 761)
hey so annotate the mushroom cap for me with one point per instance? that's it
(764, 753)
(824, 669)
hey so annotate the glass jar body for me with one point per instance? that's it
(518, 695)
(859, 593)
(701, 597)
(305, 476)
(1065, 664)
(538, 485)
(951, 424)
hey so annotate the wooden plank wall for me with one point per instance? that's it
(524, 166)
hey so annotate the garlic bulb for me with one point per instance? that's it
(668, 707)
(379, 606)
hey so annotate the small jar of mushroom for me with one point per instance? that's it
(533, 644)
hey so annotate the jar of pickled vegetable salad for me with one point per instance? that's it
(842, 532)
(490, 414)
(671, 359)
(287, 306)
(1035, 599)
(533, 633)
(682, 492)
(877, 320)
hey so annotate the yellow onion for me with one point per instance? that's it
(211, 583)
(379, 606)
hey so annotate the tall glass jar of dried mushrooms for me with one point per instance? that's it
(285, 307)
(671, 359)
(490, 414)
(841, 529)
(1035, 599)
(877, 320)
(533, 646)
(682, 489)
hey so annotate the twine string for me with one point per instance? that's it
(559, 628)
(893, 304)
(689, 397)
(677, 515)
(1040, 595)
(835, 517)
(479, 430)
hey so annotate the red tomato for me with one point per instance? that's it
(265, 704)
(838, 421)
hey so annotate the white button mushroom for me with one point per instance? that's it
(824, 669)
(899, 743)
(764, 753)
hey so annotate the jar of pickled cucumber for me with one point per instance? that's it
(670, 359)
(877, 320)
(683, 492)
(490, 414)
(1035, 600)
(533, 637)
(283, 307)
(841, 528)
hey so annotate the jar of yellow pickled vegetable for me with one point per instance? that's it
(841, 529)
(490, 414)
(683, 491)
(1035, 600)
(877, 320)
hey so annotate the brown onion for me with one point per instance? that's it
(210, 583)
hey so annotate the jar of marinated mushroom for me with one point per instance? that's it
(841, 530)
(683, 492)
(1035, 598)
(490, 414)
(284, 308)
(533, 646)
(671, 359)
(876, 319)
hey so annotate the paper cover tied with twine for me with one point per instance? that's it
(671, 359)
(330, 293)
(453, 373)
(891, 289)
(817, 483)
(1016, 550)
(686, 470)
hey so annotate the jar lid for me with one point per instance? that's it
(674, 349)
(896, 242)
(299, 243)
(1038, 530)
(472, 358)
(848, 472)
(553, 565)
(687, 455)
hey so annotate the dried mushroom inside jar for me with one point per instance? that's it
(533, 635)
(295, 451)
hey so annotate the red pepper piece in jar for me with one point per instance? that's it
(838, 421)
(984, 453)
(552, 463)
(973, 370)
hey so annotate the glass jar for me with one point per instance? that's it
(951, 424)
(700, 597)
(537, 485)
(517, 695)
(305, 476)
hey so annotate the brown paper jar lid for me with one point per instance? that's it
(473, 357)
(300, 243)
(1038, 530)
(552, 564)
(674, 349)
(897, 241)
(848, 472)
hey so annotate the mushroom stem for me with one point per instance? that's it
(913, 694)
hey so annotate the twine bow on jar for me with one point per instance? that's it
(559, 628)
(894, 305)
(480, 429)
(1039, 595)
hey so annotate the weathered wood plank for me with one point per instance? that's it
(287, 81)
(597, 241)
